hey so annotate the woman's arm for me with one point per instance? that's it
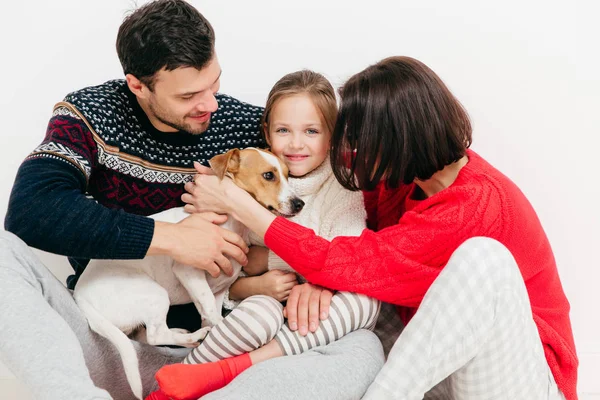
(395, 265)
(390, 265)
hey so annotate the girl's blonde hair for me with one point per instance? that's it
(315, 85)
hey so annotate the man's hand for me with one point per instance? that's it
(198, 242)
(277, 284)
(258, 260)
(306, 304)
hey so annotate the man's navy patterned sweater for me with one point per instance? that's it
(102, 168)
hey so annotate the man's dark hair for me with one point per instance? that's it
(397, 121)
(164, 34)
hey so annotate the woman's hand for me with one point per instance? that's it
(258, 260)
(277, 284)
(208, 193)
(307, 303)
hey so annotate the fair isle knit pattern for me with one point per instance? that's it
(102, 167)
(128, 164)
(111, 112)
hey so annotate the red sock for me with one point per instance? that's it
(190, 382)
(158, 395)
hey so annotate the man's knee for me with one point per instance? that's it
(12, 248)
(365, 339)
(11, 241)
(365, 352)
(361, 345)
(17, 257)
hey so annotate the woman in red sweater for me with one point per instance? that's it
(452, 242)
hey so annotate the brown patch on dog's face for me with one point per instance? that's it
(263, 175)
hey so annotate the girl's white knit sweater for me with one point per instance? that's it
(329, 209)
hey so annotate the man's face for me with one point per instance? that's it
(184, 98)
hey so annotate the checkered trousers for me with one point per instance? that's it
(472, 338)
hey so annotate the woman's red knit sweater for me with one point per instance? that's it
(411, 241)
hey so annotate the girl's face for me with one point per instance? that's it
(297, 134)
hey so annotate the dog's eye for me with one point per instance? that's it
(269, 176)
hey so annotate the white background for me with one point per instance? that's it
(526, 70)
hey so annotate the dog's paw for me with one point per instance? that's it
(200, 334)
(212, 321)
(193, 339)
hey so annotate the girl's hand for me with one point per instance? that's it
(208, 193)
(278, 284)
(258, 259)
(307, 303)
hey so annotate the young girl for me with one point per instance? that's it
(453, 243)
(298, 121)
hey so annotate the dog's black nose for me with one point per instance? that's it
(297, 204)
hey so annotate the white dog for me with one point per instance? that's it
(119, 296)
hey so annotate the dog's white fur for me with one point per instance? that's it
(117, 297)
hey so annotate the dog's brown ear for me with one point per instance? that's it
(223, 163)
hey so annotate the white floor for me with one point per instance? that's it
(11, 389)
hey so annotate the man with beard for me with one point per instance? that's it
(112, 155)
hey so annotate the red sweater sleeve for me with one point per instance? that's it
(397, 264)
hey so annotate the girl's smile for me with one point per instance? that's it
(298, 135)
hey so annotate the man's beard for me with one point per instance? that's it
(166, 119)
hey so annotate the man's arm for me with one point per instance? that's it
(49, 210)
(48, 206)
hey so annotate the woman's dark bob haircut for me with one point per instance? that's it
(399, 122)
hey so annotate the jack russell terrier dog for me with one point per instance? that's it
(119, 296)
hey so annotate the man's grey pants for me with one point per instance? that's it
(46, 342)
